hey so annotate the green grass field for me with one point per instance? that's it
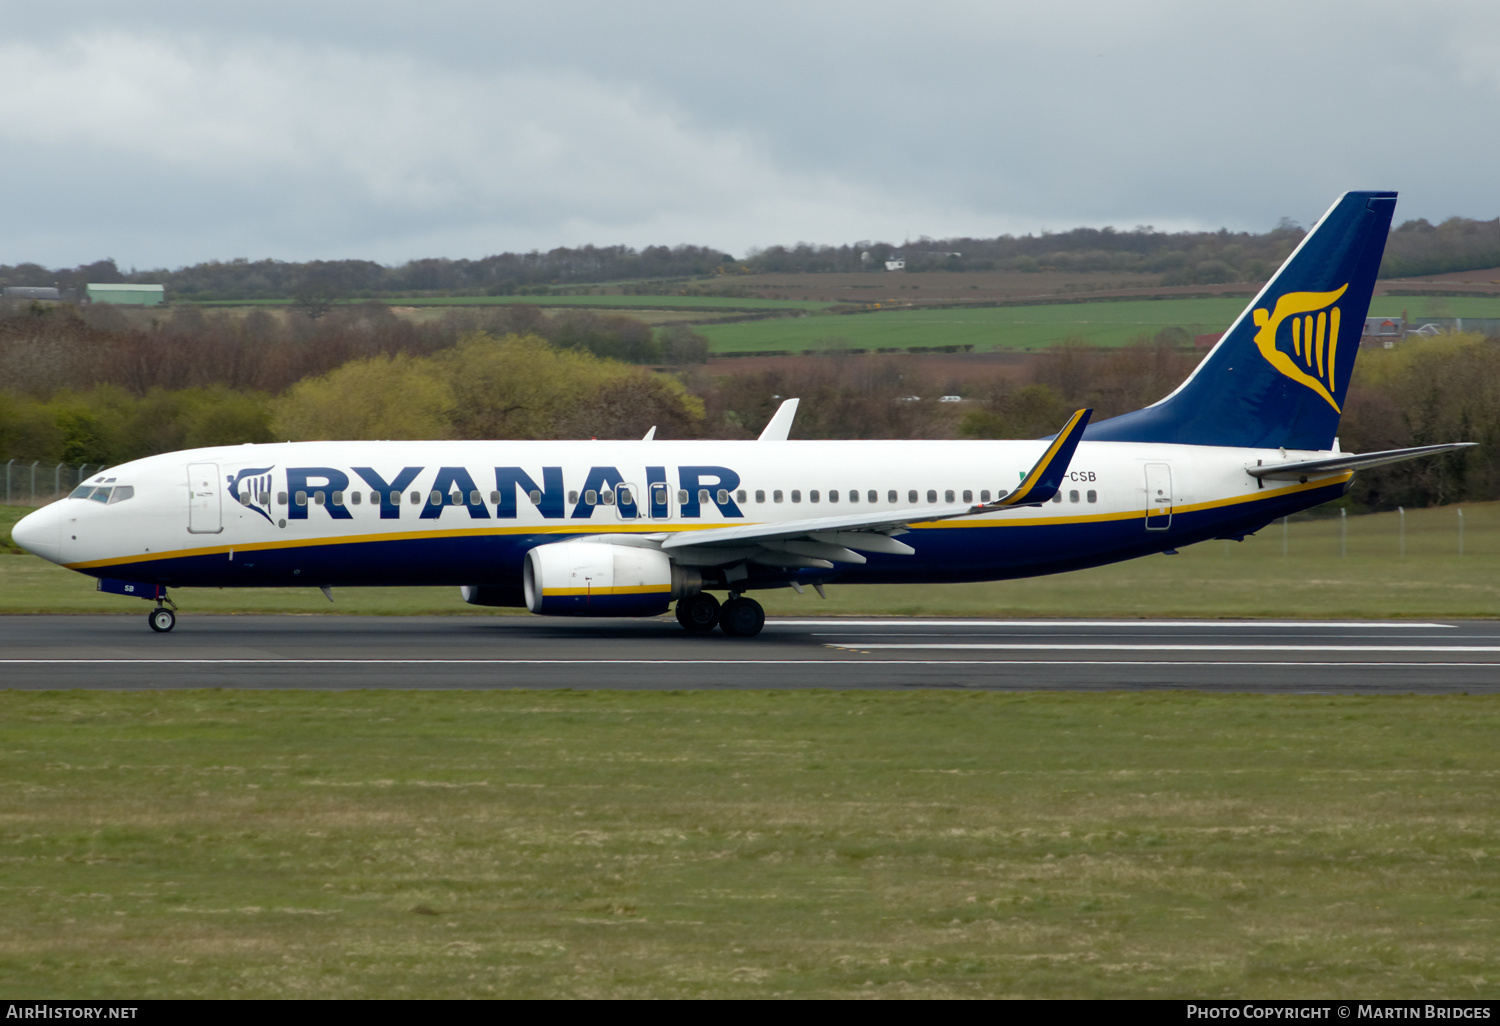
(709, 303)
(812, 844)
(1216, 578)
(1026, 327)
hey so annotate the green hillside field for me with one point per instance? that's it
(1028, 327)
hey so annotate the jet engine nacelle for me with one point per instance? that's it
(582, 578)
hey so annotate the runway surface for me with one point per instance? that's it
(344, 652)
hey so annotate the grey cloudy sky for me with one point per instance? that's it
(163, 133)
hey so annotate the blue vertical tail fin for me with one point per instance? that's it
(1278, 377)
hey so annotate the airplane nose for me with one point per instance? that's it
(40, 533)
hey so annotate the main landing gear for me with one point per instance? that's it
(698, 613)
(740, 617)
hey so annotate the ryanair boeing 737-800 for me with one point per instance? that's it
(626, 528)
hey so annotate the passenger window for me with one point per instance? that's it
(535, 496)
(968, 495)
(1057, 497)
(682, 496)
(723, 496)
(607, 497)
(319, 498)
(948, 495)
(356, 497)
(415, 498)
(911, 496)
(474, 498)
(873, 495)
(984, 495)
(624, 496)
(281, 499)
(890, 496)
(1092, 495)
(394, 497)
(572, 498)
(740, 496)
(590, 497)
(302, 498)
(776, 495)
(703, 498)
(796, 495)
(854, 495)
(338, 498)
(435, 498)
(812, 495)
(760, 496)
(121, 494)
(833, 495)
(932, 495)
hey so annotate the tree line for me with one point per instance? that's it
(1416, 247)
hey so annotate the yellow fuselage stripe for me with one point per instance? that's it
(658, 528)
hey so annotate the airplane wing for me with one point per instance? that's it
(1302, 469)
(823, 541)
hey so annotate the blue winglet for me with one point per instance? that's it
(1044, 479)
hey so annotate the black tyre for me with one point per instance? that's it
(742, 618)
(161, 619)
(698, 612)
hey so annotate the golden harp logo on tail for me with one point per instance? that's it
(1312, 338)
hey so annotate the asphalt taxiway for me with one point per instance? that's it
(345, 652)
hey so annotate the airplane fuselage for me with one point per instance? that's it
(466, 513)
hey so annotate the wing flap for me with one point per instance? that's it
(841, 538)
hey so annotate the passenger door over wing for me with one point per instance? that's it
(204, 499)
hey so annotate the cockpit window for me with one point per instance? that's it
(92, 490)
(121, 493)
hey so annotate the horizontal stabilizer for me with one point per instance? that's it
(1299, 469)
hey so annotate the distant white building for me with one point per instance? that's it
(31, 292)
(895, 264)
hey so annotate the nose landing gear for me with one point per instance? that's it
(163, 619)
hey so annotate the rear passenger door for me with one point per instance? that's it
(1158, 496)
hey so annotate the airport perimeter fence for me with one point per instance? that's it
(33, 483)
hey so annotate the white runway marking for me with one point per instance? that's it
(863, 663)
(917, 622)
(1089, 646)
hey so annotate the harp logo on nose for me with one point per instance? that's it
(1300, 338)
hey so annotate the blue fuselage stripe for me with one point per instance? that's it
(953, 553)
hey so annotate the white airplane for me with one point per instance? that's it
(626, 528)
